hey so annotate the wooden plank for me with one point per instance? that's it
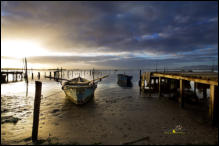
(211, 82)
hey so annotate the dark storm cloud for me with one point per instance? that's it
(162, 28)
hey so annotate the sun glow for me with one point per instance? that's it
(21, 48)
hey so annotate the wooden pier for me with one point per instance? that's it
(180, 80)
(15, 76)
(57, 75)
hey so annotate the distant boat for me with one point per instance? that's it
(80, 90)
(124, 80)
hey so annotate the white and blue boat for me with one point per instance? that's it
(80, 90)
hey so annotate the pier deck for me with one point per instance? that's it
(5, 74)
(206, 78)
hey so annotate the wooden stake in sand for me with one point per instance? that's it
(36, 110)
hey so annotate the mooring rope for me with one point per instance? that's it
(51, 94)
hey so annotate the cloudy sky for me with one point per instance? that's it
(109, 35)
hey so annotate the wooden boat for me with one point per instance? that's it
(80, 90)
(124, 80)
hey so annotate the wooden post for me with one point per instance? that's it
(204, 92)
(38, 75)
(61, 72)
(7, 77)
(213, 104)
(13, 76)
(36, 110)
(26, 74)
(140, 80)
(16, 76)
(50, 75)
(93, 74)
(195, 88)
(32, 76)
(21, 75)
(159, 88)
(181, 98)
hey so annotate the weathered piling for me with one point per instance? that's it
(36, 110)
(13, 76)
(61, 72)
(213, 104)
(140, 78)
(38, 75)
(181, 97)
(7, 77)
(159, 88)
(26, 73)
(93, 73)
(54, 75)
(16, 77)
(205, 93)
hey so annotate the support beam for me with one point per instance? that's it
(181, 97)
(140, 79)
(61, 72)
(204, 93)
(213, 104)
(195, 88)
(13, 76)
(16, 77)
(159, 88)
(38, 75)
(178, 77)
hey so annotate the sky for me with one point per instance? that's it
(109, 35)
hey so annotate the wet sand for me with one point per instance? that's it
(114, 116)
(118, 120)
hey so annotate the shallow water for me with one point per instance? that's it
(112, 116)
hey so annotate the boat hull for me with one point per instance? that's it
(124, 80)
(79, 95)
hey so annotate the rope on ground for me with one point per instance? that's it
(53, 94)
